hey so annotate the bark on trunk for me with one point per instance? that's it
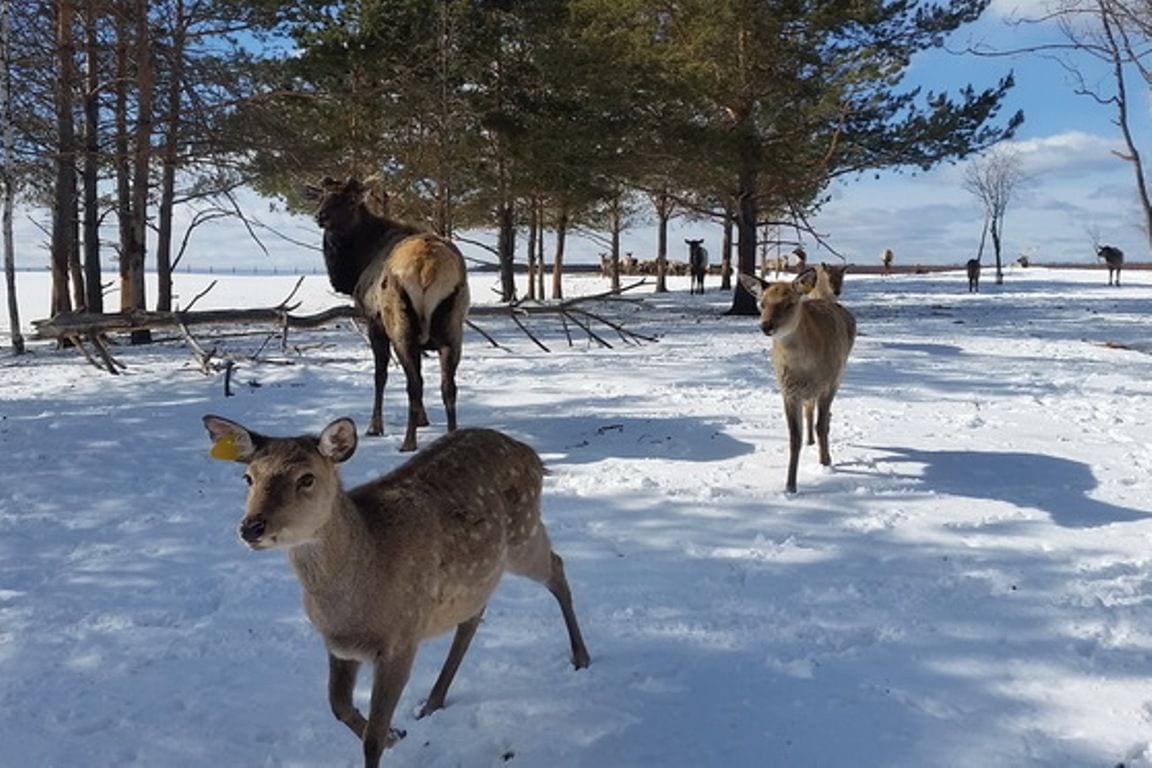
(142, 158)
(726, 252)
(533, 233)
(65, 253)
(93, 277)
(9, 191)
(558, 261)
(506, 248)
(169, 161)
(662, 249)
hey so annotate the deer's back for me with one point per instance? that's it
(435, 533)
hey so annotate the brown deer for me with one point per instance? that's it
(399, 559)
(829, 281)
(811, 341)
(973, 268)
(411, 287)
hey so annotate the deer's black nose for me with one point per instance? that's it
(252, 530)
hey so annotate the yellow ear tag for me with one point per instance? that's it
(226, 449)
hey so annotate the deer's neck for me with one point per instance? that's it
(323, 564)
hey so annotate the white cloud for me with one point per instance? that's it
(1068, 153)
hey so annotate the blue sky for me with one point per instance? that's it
(1079, 192)
(1079, 189)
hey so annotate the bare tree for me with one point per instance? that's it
(994, 179)
(1118, 34)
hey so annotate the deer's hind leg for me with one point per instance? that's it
(465, 631)
(535, 560)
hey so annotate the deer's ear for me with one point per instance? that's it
(753, 285)
(805, 282)
(338, 440)
(231, 441)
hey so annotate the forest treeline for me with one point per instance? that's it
(523, 117)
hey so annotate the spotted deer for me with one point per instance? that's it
(411, 287)
(811, 341)
(399, 559)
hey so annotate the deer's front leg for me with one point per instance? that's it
(793, 414)
(341, 684)
(391, 675)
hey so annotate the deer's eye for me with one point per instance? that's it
(248, 478)
(306, 481)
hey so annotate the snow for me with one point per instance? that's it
(968, 585)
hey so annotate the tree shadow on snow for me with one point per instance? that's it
(1060, 487)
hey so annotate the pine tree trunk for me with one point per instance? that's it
(533, 233)
(123, 163)
(662, 249)
(9, 139)
(726, 251)
(506, 250)
(744, 303)
(142, 157)
(540, 250)
(64, 202)
(614, 225)
(93, 277)
(169, 161)
(558, 260)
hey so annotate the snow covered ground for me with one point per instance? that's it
(969, 585)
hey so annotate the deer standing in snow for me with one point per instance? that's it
(1114, 258)
(811, 341)
(399, 559)
(411, 287)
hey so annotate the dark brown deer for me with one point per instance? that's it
(811, 341)
(697, 265)
(886, 257)
(399, 559)
(973, 267)
(1114, 258)
(411, 287)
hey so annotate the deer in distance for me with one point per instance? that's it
(401, 558)
(1114, 258)
(697, 265)
(811, 341)
(411, 286)
(973, 267)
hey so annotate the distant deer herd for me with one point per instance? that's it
(419, 551)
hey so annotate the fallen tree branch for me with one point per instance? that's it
(73, 326)
(68, 324)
